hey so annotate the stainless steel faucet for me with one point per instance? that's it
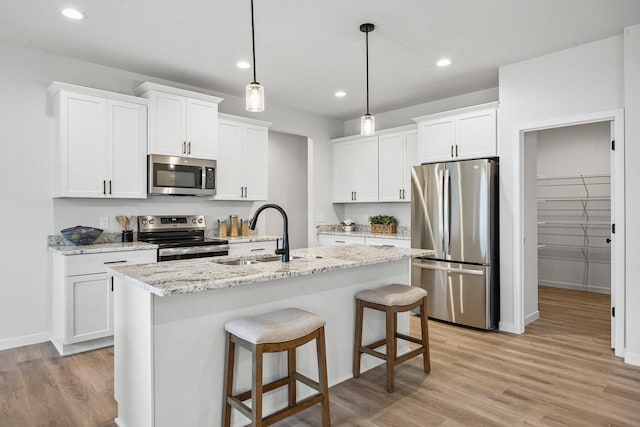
(285, 229)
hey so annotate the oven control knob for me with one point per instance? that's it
(200, 220)
(194, 221)
(144, 222)
(152, 221)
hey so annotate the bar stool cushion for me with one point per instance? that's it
(392, 295)
(276, 326)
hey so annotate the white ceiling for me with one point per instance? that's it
(308, 49)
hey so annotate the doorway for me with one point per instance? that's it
(526, 218)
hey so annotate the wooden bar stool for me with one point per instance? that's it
(392, 299)
(283, 330)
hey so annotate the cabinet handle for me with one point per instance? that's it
(400, 194)
(184, 147)
(109, 186)
(456, 150)
(340, 241)
(388, 246)
(189, 148)
(114, 262)
(452, 151)
(403, 196)
(104, 187)
(355, 195)
(258, 249)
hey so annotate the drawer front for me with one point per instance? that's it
(77, 265)
(329, 240)
(252, 248)
(397, 243)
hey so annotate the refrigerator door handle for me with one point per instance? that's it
(441, 179)
(448, 269)
(446, 242)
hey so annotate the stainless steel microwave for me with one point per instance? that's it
(183, 176)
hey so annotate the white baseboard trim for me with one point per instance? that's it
(507, 327)
(532, 317)
(632, 358)
(575, 287)
(16, 342)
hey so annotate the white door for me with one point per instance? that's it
(256, 163)
(89, 308)
(126, 150)
(476, 134)
(411, 159)
(437, 140)
(230, 161)
(391, 169)
(167, 124)
(202, 129)
(366, 159)
(344, 171)
(82, 145)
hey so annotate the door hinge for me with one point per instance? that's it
(613, 312)
(613, 228)
(613, 144)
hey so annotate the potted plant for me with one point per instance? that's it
(348, 225)
(384, 224)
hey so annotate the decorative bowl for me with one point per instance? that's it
(81, 235)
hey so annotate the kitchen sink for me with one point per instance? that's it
(255, 261)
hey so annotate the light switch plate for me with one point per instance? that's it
(104, 222)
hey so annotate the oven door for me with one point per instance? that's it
(182, 176)
(172, 254)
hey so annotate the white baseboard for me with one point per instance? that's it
(632, 358)
(507, 327)
(532, 317)
(9, 343)
(575, 287)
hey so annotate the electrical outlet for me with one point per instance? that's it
(321, 218)
(104, 222)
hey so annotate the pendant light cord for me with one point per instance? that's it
(253, 45)
(367, 56)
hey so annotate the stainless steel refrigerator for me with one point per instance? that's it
(454, 210)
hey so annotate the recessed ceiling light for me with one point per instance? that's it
(74, 14)
(340, 94)
(243, 65)
(443, 62)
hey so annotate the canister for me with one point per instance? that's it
(233, 225)
(244, 225)
(222, 227)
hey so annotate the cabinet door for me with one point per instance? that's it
(82, 145)
(126, 150)
(411, 159)
(256, 161)
(391, 169)
(337, 240)
(343, 158)
(89, 305)
(167, 124)
(366, 158)
(476, 134)
(202, 129)
(396, 243)
(437, 139)
(230, 164)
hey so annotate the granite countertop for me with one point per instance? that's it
(395, 236)
(101, 248)
(197, 275)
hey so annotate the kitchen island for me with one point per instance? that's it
(170, 316)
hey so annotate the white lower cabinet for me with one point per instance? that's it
(82, 294)
(253, 248)
(395, 243)
(336, 240)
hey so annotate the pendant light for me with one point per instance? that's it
(255, 91)
(367, 122)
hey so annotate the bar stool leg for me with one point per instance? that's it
(358, 339)
(424, 328)
(228, 385)
(256, 393)
(292, 380)
(391, 349)
(322, 377)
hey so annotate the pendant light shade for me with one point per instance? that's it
(367, 122)
(254, 90)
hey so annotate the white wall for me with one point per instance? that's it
(360, 212)
(531, 230)
(29, 213)
(288, 186)
(632, 171)
(404, 116)
(581, 80)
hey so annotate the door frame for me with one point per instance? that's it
(618, 285)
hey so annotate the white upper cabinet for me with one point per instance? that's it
(243, 159)
(398, 153)
(181, 123)
(355, 170)
(467, 133)
(99, 143)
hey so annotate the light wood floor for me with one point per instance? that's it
(561, 372)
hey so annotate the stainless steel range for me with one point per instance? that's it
(180, 237)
